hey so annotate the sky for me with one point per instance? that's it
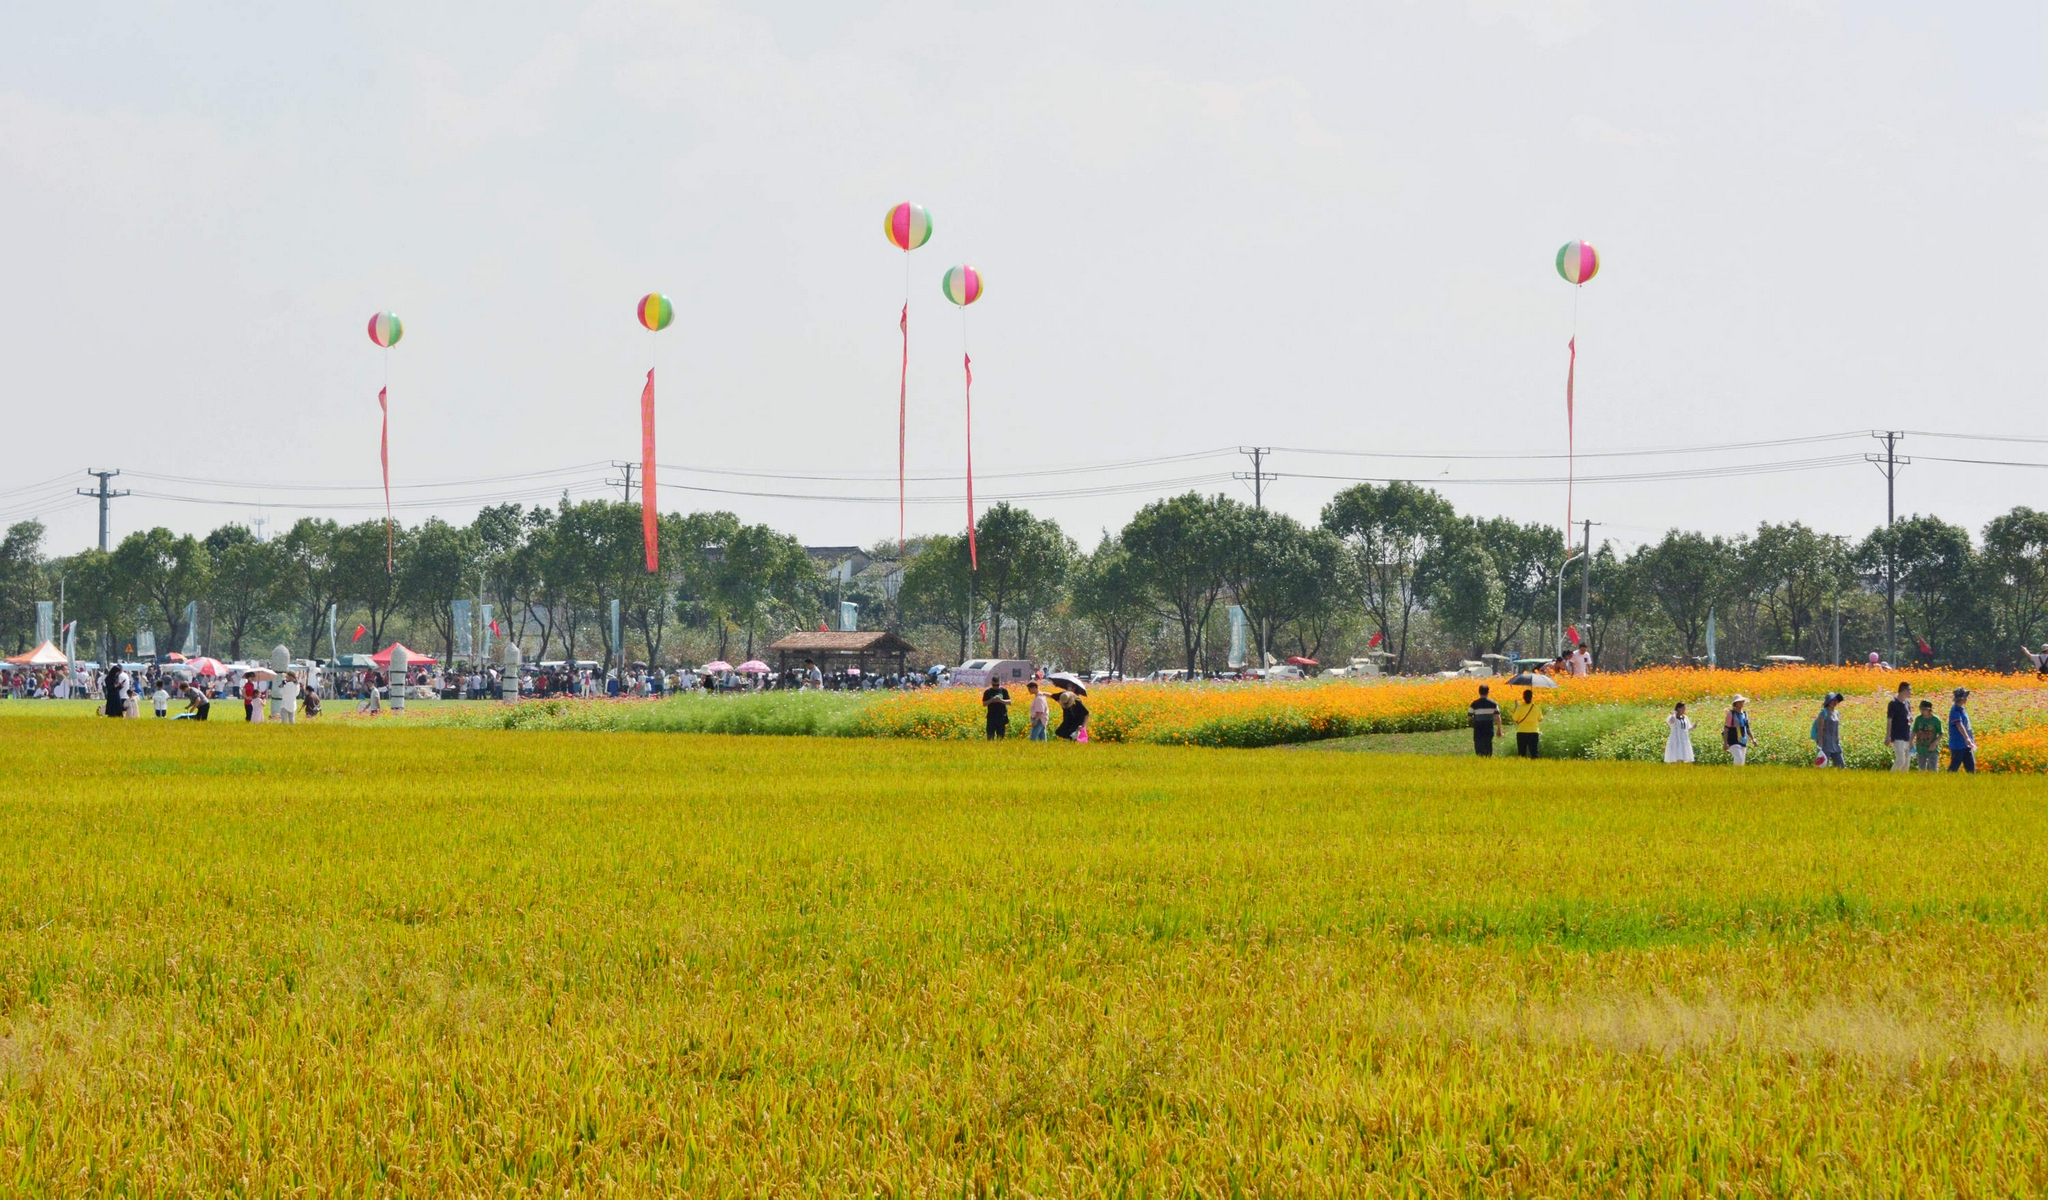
(1327, 228)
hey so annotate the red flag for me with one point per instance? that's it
(973, 561)
(384, 457)
(360, 631)
(1377, 638)
(494, 627)
(984, 631)
(1925, 648)
(1570, 447)
(902, 420)
(821, 627)
(650, 525)
(1572, 632)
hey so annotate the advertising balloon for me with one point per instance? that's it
(655, 311)
(386, 329)
(1578, 262)
(907, 226)
(963, 285)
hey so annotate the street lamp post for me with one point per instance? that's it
(1560, 600)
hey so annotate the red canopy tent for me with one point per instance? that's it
(413, 658)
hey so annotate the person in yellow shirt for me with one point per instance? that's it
(1526, 715)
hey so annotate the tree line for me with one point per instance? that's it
(1394, 568)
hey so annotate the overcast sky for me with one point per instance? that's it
(1320, 226)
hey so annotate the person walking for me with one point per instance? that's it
(1927, 739)
(1678, 742)
(996, 699)
(1735, 730)
(1962, 740)
(1041, 711)
(1827, 733)
(1526, 716)
(1898, 726)
(1485, 718)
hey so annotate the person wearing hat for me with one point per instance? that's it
(1735, 730)
(1962, 742)
(1827, 733)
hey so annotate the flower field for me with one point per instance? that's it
(1245, 715)
(374, 959)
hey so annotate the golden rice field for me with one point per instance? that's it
(362, 960)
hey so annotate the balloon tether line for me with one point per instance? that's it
(902, 406)
(967, 364)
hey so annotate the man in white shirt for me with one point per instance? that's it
(284, 698)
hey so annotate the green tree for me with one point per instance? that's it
(246, 575)
(1387, 532)
(23, 581)
(308, 582)
(1109, 593)
(165, 572)
(1024, 561)
(441, 565)
(358, 567)
(1685, 574)
(1527, 559)
(1463, 586)
(1181, 548)
(2014, 565)
(1793, 575)
(938, 588)
(762, 576)
(1937, 577)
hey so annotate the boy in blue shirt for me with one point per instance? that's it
(1962, 744)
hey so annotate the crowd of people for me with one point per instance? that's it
(1915, 737)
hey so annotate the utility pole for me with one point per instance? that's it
(1586, 586)
(1257, 476)
(625, 485)
(102, 495)
(1889, 462)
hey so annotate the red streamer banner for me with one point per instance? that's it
(973, 562)
(1571, 450)
(650, 524)
(902, 421)
(384, 457)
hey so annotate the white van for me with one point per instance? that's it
(983, 671)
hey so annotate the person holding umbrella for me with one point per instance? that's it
(1073, 710)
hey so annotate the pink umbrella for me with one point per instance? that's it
(205, 666)
(754, 666)
(715, 665)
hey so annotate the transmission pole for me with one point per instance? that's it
(1586, 586)
(625, 485)
(102, 495)
(1889, 463)
(1257, 477)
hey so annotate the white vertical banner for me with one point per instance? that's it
(849, 616)
(1238, 627)
(333, 646)
(45, 615)
(191, 647)
(465, 646)
(71, 640)
(618, 648)
(145, 642)
(485, 615)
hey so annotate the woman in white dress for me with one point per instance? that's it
(1678, 745)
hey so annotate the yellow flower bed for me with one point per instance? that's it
(1256, 714)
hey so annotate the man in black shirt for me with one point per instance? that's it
(1898, 727)
(997, 701)
(1485, 723)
